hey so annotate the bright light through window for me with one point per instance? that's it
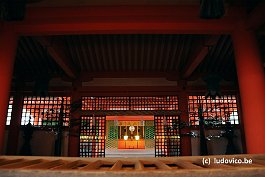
(221, 110)
(9, 111)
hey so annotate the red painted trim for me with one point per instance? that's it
(125, 28)
(8, 45)
(123, 20)
(129, 118)
(180, 11)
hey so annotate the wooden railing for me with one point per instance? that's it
(14, 166)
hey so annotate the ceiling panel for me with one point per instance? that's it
(133, 53)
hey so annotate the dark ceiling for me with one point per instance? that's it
(125, 53)
(128, 53)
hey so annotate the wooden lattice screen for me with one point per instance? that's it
(167, 136)
(92, 136)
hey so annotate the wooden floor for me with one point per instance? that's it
(19, 166)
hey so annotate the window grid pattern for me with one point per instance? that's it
(45, 111)
(112, 136)
(149, 134)
(130, 103)
(217, 111)
(167, 136)
(92, 136)
(9, 111)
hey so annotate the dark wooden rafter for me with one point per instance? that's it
(135, 48)
(160, 54)
(22, 54)
(154, 53)
(69, 46)
(75, 48)
(189, 46)
(90, 54)
(83, 53)
(200, 54)
(110, 53)
(175, 46)
(98, 58)
(130, 49)
(168, 53)
(180, 51)
(224, 55)
(148, 58)
(56, 50)
(102, 51)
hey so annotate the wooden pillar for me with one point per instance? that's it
(251, 80)
(76, 102)
(14, 128)
(185, 140)
(8, 45)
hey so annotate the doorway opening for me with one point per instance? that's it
(130, 127)
(130, 136)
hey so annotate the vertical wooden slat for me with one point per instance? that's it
(5, 162)
(46, 165)
(93, 165)
(117, 166)
(162, 166)
(21, 164)
(187, 165)
(139, 165)
(72, 165)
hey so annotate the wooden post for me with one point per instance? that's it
(8, 45)
(251, 80)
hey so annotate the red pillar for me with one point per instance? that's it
(73, 144)
(8, 44)
(184, 117)
(251, 82)
(14, 128)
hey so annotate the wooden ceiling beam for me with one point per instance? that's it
(56, 50)
(123, 20)
(200, 54)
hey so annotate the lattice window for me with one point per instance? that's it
(149, 134)
(92, 136)
(112, 138)
(220, 110)
(45, 111)
(154, 103)
(130, 103)
(167, 136)
(9, 111)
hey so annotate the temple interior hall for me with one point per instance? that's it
(120, 78)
